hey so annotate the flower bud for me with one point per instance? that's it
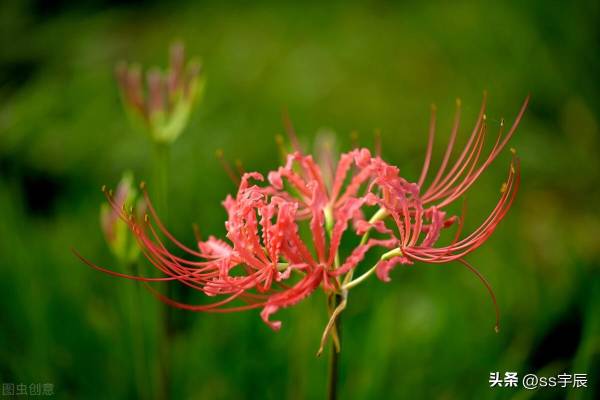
(164, 111)
(120, 239)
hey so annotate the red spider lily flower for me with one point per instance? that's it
(164, 107)
(267, 264)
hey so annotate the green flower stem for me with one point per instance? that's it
(378, 216)
(138, 341)
(161, 164)
(161, 182)
(339, 303)
(351, 284)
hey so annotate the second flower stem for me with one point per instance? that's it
(161, 181)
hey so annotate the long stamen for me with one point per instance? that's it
(509, 192)
(429, 147)
(461, 221)
(458, 169)
(239, 167)
(458, 162)
(213, 307)
(460, 188)
(290, 131)
(161, 225)
(121, 275)
(377, 141)
(489, 289)
(354, 139)
(450, 145)
(197, 233)
(280, 143)
(495, 151)
(228, 170)
(476, 238)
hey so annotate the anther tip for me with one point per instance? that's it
(142, 185)
(103, 188)
(497, 328)
(458, 102)
(513, 150)
(484, 117)
(503, 187)
(219, 153)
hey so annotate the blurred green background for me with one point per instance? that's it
(340, 66)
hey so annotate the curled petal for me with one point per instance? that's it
(358, 254)
(266, 313)
(275, 180)
(214, 247)
(362, 158)
(291, 296)
(385, 266)
(361, 227)
(435, 228)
